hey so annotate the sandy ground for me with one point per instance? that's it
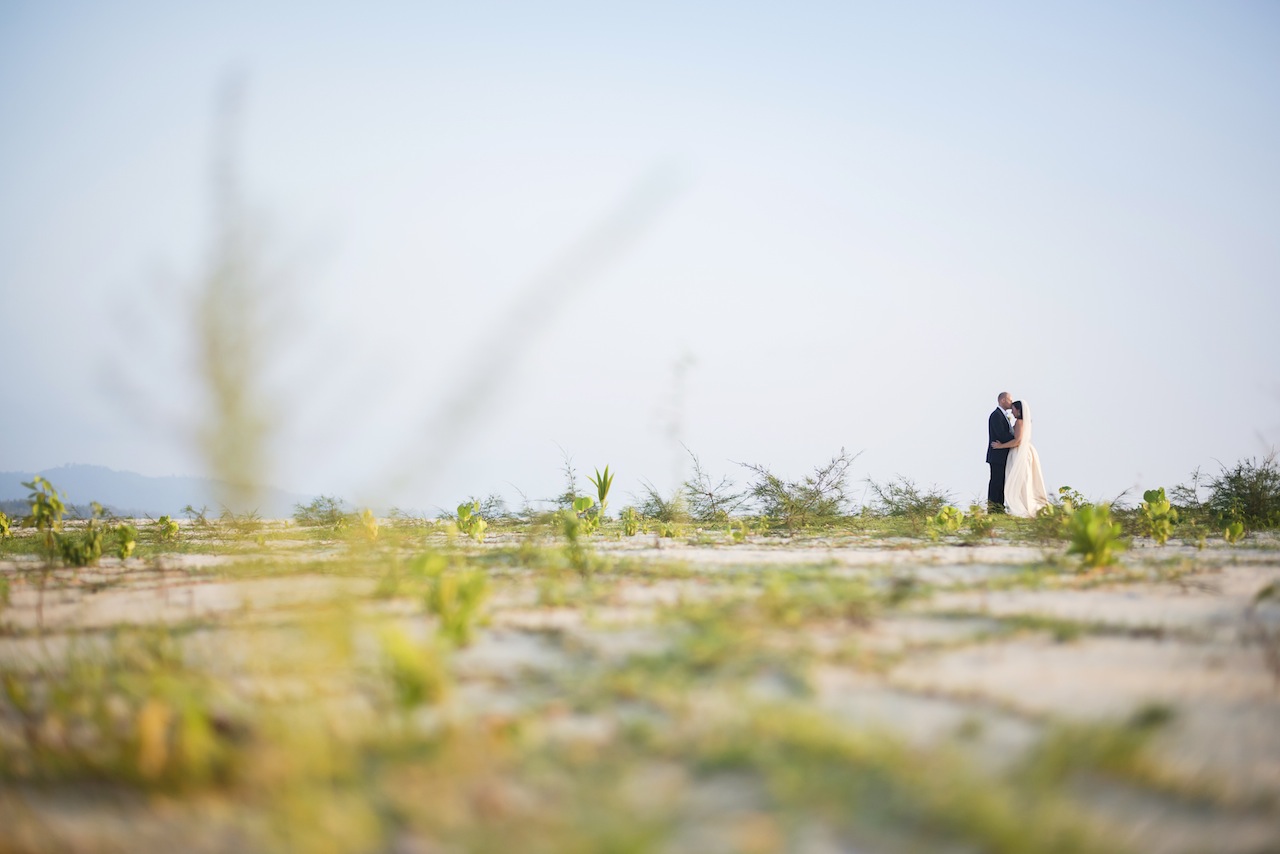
(997, 665)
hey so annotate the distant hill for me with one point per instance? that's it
(127, 493)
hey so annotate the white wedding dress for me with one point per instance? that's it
(1024, 492)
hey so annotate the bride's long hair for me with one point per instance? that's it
(1017, 409)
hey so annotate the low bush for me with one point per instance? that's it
(1249, 492)
(794, 504)
(902, 497)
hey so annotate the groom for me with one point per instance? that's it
(998, 430)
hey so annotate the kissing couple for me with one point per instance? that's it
(1016, 481)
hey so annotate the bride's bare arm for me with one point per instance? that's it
(1017, 438)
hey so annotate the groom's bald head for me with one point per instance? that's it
(1004, 400)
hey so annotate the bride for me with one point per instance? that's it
(1024, 492)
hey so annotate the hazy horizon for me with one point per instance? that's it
(765, 234)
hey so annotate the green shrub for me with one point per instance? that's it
(1070, 500)
(948, 521)
(667, 510)
(81, 548)
(1233, 533)
(1094, 535)
(323, 512)
(1249, 493)
(796, 504)
(126, 539)
(710, 501)
(166, 528)
(901, 497)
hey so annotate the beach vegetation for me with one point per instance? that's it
(815, 498)
(1157, 516)
(1095, 536)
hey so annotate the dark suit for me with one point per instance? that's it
(998, 430)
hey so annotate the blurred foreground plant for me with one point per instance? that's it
(137, 712)
(368, 525)
(455, 598)
(417, 672)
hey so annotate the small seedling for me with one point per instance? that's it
(166, 528)
(630, 521)
(602, 482)
(470, 522)
(47, 508)
(1071, 500)
(1157, 516)
(587, 520)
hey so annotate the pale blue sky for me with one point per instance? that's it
(888, 214)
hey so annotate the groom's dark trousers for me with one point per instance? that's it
(998, 430)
